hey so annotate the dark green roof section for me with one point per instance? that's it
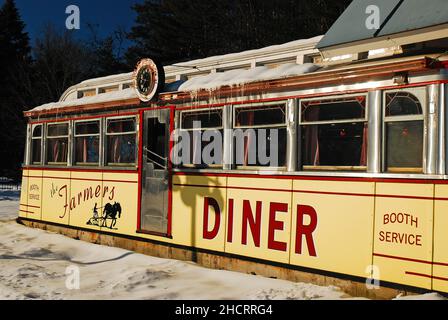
(417, 14)
(396, 16)
(351, 25)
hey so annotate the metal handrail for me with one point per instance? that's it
(165, 160)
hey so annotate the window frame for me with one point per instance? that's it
(69, 143)
(301, 124)
(31, 140)
(101, 139)
(284, 125)
(105, 142)
(421, 94)
(220, 128)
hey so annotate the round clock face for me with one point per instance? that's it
(147, 80)
(144, 80)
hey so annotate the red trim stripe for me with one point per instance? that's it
(307, 191)
(80, 179)
(29, 206)
(333, 93)
(401, 258)
(86, 170)
(140, 170)
(25, 211)
(425, 276)
(108, 115)
(336, 193)
(313, 178)
(410, 260)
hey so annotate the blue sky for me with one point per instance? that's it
(106, 15)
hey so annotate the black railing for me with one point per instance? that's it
(6, 185)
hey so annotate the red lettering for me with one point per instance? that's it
(79, 198)
(411, 242)
(105, 191)
(210, 235)
(72, 204)
(112, 194)
(306, 230)
(254, 223)
(418, 240)
(98, 191)
(64, 195)
(230, 222)
(276, 225)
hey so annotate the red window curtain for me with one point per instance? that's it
(56, 151)
(84, 150)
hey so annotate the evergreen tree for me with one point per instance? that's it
(14, 62)
(176, 30)
(105, 59)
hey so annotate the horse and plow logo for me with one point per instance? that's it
(110, 213)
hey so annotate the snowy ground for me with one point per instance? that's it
(33, 265)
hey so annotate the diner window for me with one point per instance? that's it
(57, 144)
(259, 136)
(36, 145)
(87, 143)
(121, 136)
(404, 132)
(205, 132)
(334, 134)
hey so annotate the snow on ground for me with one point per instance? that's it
(33, 265)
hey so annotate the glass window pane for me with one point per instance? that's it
(404, 144)
(402, 104)
(87, 150)
(83, 128)
(329, 110)
(121, 149)
(37, 132)
(121, 125)
(207, 119)
(36, 151)
(335, 145)
(58, 130)
(258, 116)
(57, 150)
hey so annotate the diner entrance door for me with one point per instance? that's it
(155, 171)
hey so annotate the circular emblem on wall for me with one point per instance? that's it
(149, 79)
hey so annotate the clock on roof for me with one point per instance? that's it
(149, 79)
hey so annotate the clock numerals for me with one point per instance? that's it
(144, 81)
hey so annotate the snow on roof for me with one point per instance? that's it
(108, 79)
(207, 82)
(239, 77)
(125, 94)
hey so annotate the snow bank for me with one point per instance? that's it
(239, 77)
(9, 205)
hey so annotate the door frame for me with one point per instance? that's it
(170, 172)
